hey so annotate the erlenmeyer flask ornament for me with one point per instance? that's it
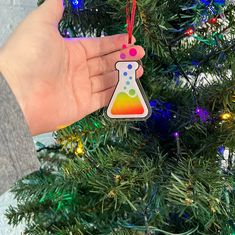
(129, 100)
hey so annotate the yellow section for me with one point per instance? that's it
(126, 105)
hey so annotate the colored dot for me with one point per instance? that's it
(129, 66)
(124, 87)
(130, 78)
(124, 46)
(132, 92)
(127, 83)
(123, 56)
(125, 73)
(133, 52)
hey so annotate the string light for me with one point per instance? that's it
(77, 4)
(176, 134)
(118, 178)
(189, 32)
(202, 114)
(112, 194)
(213, 20)
(226, 116)
(79, 150)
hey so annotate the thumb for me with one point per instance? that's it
(51, 10)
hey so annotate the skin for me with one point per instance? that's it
(59, 81)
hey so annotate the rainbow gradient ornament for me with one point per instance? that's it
(129, 100)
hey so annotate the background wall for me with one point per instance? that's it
(11, 13)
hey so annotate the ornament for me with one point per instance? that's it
(226, 117)
(128, 100)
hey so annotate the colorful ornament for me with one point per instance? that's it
(128, 100)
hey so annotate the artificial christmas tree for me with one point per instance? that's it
(171, 174)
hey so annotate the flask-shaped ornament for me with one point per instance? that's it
(129, 100)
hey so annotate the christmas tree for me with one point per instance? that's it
(171, 174)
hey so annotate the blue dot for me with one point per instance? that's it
(125, 74)
(130, 78)
(127, 83)
(129, 66)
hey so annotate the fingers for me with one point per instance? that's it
(101, 99)
(95, 47)
(109, 80)
(106, 63)
(51, 10)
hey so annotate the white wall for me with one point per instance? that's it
(11, 13)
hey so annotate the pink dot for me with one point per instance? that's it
(123, 56)
(124, 46)
(133, 52)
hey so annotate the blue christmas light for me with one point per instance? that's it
(77, 4)
(221, 150)
(219, 2)
(206, 2)
(215, 2)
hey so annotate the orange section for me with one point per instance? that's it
(125, 105)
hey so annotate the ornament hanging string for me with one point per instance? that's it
(130, 18)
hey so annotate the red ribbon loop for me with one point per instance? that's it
(130, 19)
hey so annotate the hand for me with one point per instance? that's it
(58, 81)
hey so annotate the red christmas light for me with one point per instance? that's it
(189, 32)
(213, 20)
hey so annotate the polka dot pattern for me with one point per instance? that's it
(132, 92)
(133, 52)
(122, 56)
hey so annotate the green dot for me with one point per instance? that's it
(132, 92)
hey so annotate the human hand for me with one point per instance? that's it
(59, 81)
